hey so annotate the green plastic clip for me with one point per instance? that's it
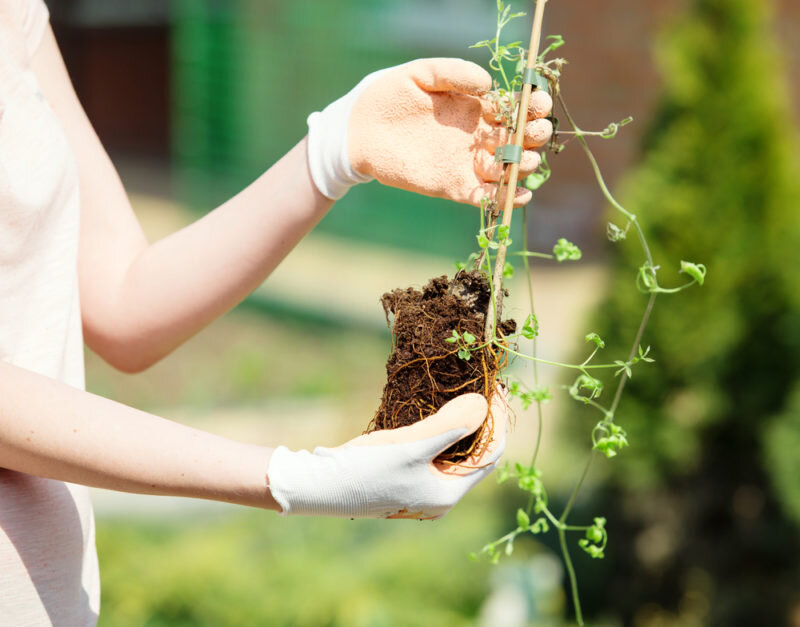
(532, 77)
(510, 153)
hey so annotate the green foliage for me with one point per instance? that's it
(718, 182)
(596, 538)
(609, 438)
(538, 178)
(465, 343)
(254, 568)
(782, 454)
(564, 250)
(530, 328)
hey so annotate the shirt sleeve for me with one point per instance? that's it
(33, 17)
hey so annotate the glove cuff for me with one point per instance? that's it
(328, 156)
(328, 160)
(309, 484)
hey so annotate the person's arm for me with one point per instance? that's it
(140, 301)
(52, 430)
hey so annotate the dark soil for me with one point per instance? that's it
(424, 371)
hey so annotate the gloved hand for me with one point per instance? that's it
(425, 126)
(390, 474)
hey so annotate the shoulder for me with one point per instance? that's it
(28, 18)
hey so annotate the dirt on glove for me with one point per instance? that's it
(424, 370)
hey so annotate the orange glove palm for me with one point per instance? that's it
(425, 126)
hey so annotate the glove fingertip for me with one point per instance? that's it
(459, 75)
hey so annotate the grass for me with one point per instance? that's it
(255, 568)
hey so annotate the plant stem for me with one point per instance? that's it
(624, 376)
(540, 421)
(530, 253)
(534, 342)
(513, 171)
(577, 488)
(580, 367)
(573, 581)
(579, 134)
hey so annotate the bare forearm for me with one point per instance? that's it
(180, 284)
(51, 430)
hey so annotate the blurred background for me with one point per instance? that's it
(195, 98)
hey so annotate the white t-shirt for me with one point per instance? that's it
(48, 562)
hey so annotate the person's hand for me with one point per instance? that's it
(425, 126)
(390, 474)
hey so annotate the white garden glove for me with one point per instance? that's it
(424, 126)
(390, 474)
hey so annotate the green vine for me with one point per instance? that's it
(607, 437)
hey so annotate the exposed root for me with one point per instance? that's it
(424, 371)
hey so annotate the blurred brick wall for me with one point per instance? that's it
(612, 74)
(118, 57)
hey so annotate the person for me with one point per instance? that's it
(75, 266)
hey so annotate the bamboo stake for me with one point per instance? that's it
(513, 171)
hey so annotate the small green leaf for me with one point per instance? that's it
(594, 551)
(643, 355)
(646, 278)
(503, 231)
(593, 337)
(454, 337)
(523, 520)
(483, 241)
(464, 354)
(508, 271)
(530, 328)
(503, 473)
(541, 394)
(557, 42)
(614, 233)
(530, 484)
(540, 526)
(594, 534)
(536, 179)
(613, 441)
(695, 270)
(586, 382)
(565, 250)
(623, 367)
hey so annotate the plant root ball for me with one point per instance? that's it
(424, 370)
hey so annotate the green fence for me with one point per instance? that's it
(247, 73)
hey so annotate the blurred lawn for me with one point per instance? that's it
(247, 357)
(254, 568)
